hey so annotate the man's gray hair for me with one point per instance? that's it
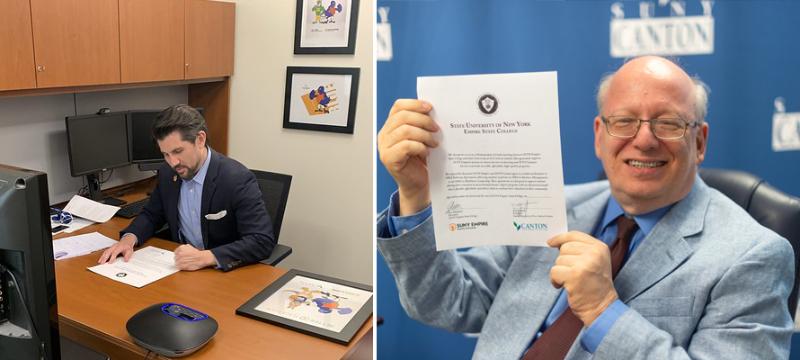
(701, 92)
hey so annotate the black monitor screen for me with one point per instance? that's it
(143, 148)
(28, 304)
(97, 142)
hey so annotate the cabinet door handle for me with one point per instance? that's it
(39, 68)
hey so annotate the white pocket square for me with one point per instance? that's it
(217, 216)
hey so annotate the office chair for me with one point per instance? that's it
(769, 206)
(275, 191)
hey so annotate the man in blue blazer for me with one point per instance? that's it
(212, 203)
(701, 278)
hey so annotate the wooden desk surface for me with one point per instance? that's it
(93, 309)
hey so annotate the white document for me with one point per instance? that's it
(496, 177)
(88, 209)
(78, 245)
(77, 224)
(145, 266)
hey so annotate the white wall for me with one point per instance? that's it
(329, 216)
(33, 131)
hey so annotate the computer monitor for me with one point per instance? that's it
(143, 148)
(28, 310)
(97, 143)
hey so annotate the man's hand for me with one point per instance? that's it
(583, 268)
(187, 257)
(123, 247)
(403, 145)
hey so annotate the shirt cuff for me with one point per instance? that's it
(401, 224)
(594, 335)
(134, 237)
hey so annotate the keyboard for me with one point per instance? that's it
(132, 209)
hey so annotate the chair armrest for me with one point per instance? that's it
(279, 253)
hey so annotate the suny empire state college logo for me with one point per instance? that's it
(653, 33)
(487, 104)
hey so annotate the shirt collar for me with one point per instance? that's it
(646, 221)
(200, 177)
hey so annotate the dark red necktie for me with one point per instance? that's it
(558, 338)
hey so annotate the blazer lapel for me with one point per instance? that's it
(521, 305)
(171, 209)
(209, 187)
(665, 248)
(584, 216)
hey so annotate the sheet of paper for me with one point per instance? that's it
(77, 224)
(496, 177)
(145, 266)
(88, 209)
(78, 245)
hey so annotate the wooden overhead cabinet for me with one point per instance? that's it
(209, 39)
(16, 46)
(76, 42)
(151, 40)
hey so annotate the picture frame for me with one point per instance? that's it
(325, 26)
(318, 305)
(321, 98)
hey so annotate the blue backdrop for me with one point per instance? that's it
(749, 56)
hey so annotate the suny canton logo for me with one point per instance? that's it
(676, 34)
(785, 128)
(383, 36)
(487, 104)
(529, 226)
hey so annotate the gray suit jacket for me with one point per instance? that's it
(708, 282)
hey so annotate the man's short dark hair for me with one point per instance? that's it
(183, 118)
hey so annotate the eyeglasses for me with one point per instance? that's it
(61, 217)
(662, 128)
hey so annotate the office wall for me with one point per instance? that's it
(329, 216)
(33, 131)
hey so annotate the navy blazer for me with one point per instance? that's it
(243, 236)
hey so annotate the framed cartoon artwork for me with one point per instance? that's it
(325, 26)
(314, 304)
(320, 98)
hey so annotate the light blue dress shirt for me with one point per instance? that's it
(606, 231)
(189, 206)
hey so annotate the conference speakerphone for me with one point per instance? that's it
(170, 329)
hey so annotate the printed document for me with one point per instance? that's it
(145, 266)
(88, 209)
(78, 245)
(496, 177)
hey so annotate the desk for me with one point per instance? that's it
(93, 310)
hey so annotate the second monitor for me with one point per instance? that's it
(143, 149)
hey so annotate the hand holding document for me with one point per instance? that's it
(79, 245)
(145, 266)
(88, 209)
(496, 177)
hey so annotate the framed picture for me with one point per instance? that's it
(325, 26)
(322, 99)
(314, 304)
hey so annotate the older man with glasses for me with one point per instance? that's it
(656, 264)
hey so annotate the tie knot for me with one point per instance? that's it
(625, 227)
